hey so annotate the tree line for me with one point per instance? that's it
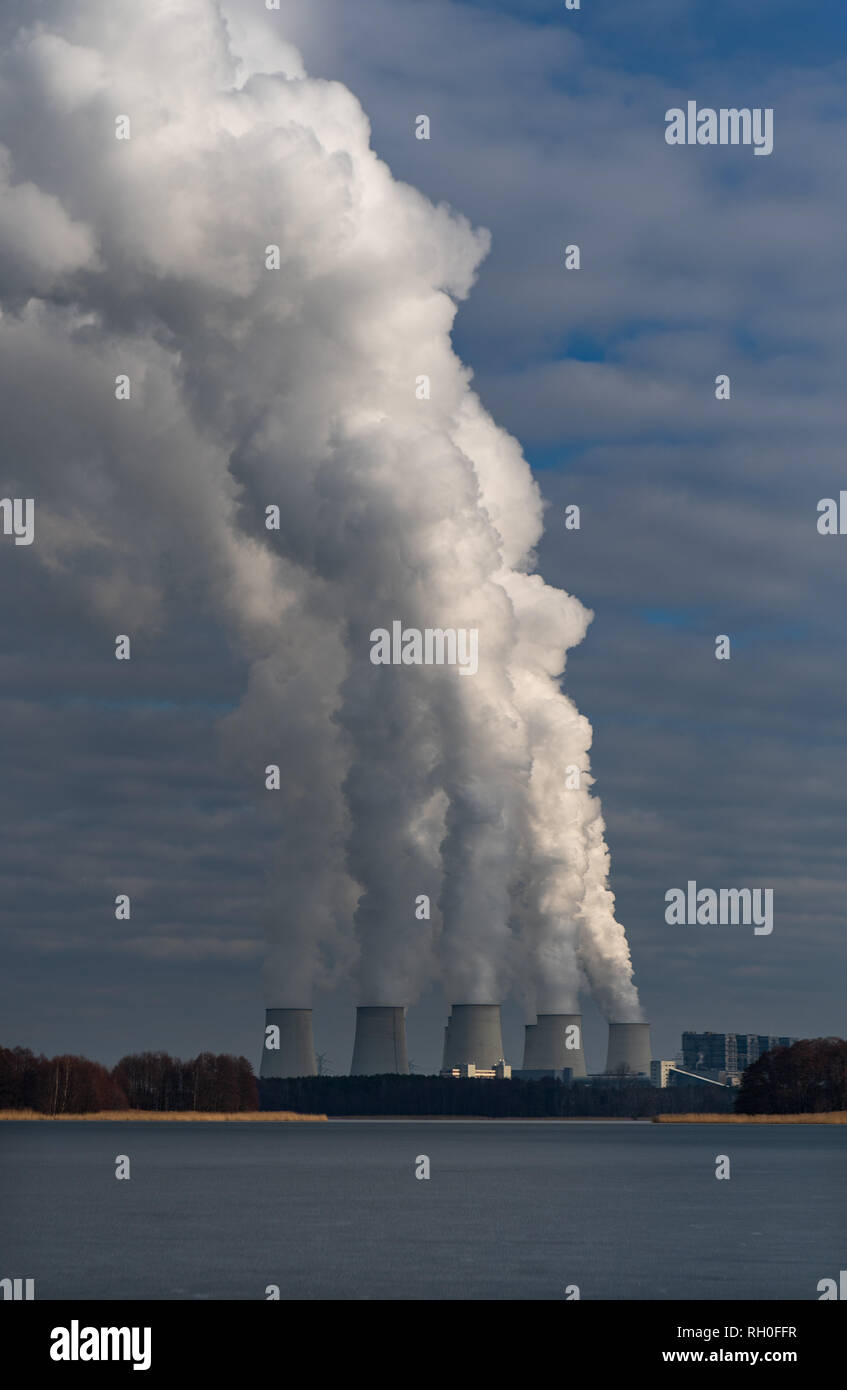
(492, 1098)
(809, 1077)
(70, 1085)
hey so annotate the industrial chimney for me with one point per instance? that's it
(291, 1052)
(629, 1047)
(546, 1044)
(380, 1044)
(473, 1034)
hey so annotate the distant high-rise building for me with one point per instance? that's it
(660, 1071)
(732, 1052)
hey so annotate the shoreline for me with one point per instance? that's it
(834, 1117)
(174, 1116)
(282, 1116)
(824, 1117)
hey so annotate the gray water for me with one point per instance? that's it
(512, 1210)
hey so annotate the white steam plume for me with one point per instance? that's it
(563, 902)
(294, 387)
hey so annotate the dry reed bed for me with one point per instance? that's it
(828, 1117)
(266, 1116)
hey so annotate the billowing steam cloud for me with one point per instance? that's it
(273, 295)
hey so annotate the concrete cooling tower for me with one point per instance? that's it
(545, 1045)
(380, 1044)
(473, 1034)
(629, 1047)
(295, 1055)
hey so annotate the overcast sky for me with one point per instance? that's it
(698, 518)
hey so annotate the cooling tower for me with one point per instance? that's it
(473, 1034)
(546, 1044)
(629, 1047)
(380, 1044)
(295, 1055)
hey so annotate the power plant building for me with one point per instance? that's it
(379, 1048)
(502, 1071)
(289, 1047)
(473, 1035)
(473, 1047)
(553, 1045)
(629, 1049)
